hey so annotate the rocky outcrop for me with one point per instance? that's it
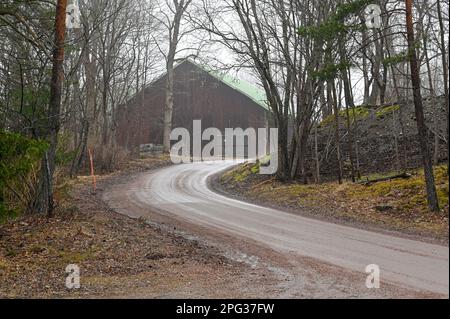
(385, 138)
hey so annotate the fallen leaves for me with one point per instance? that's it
(118, 256)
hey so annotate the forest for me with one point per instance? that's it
(66, 67)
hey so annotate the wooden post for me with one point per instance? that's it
(94, 181)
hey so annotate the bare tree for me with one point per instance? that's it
(422, 130)
(172, 23)
(263, 36)
(444, 67)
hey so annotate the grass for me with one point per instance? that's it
(408, 193)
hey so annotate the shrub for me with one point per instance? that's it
(19, 162)
(109, 159)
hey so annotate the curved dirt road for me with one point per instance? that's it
(182, 190)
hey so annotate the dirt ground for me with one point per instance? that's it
(156, 257)
(118, 256)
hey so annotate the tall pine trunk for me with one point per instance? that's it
(44, 201)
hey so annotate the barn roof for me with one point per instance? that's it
(244, 87)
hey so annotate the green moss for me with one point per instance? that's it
(356, 113)
(441, 173)
(408, 193)
(264, 160)
(443, 195)
(241, 173)
(255, 169)
(240, 177)
(359, 112)
(387, 110)
(441, 176)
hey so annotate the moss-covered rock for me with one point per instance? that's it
(386, 110)
(355, 113)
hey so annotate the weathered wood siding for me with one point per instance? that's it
(198, 96)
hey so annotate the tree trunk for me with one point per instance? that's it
(375, 94)
(422, 130)
(348, 104)
(365, 68)
(316, 155)
(283, 172)
(433, 99)
(168, 111)
(45, 200)
(88, 114)
(174, 36)
(445, 69)
(331, 90)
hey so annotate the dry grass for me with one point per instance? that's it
(398, 204)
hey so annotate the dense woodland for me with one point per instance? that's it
(62, 79)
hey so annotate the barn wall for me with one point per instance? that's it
(198, 96)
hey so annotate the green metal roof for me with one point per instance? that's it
(244, 87)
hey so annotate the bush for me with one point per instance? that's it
(111, 159)
(19, 162)
(106, 159)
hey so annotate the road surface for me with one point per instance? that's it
(182, 190)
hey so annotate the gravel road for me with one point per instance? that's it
(182, 191)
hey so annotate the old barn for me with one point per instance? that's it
(219, 100)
